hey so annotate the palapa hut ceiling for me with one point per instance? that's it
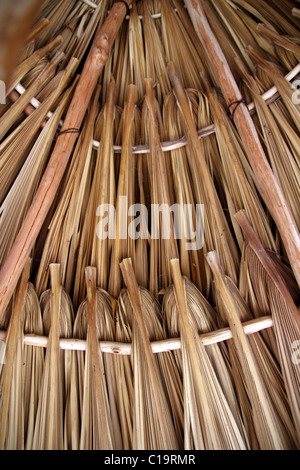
(123, 328)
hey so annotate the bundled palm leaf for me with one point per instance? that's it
(272, 288)
(123, 245)
(203, 185)
(274, 429)
(94, 382)
(22, 368)
(15, 147)
(210, 422)
(243, 394)
(157, 388)
(27, 181)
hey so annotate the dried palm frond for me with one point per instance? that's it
(283, 86)
(265, 351)
(56, 167)
(155, 57)
(163, 245)
(96, 235)
(192, 261)
(137, 59)
(34, 364)
(16, 19)
(12, 114)
(103, 193)
(157, 391)
(124, 244)
(27, 181)
(203, 185)
(58, 319)
(272, 423)
(88, 26)
(209, 422)
(279, 290)
(124, 373)
(21, 380)
(15, 147)
(282, 160)
(231, 31)
(185, 54)
(56, 13)
(269, 186)
(240, 185)
(205, 319)
(30, 62)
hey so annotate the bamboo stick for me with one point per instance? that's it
(170, 344)
(45, 195)
(271, 191)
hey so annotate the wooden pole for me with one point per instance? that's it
(269, 186)
(14, 263)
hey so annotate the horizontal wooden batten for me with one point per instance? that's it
(170, 344)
